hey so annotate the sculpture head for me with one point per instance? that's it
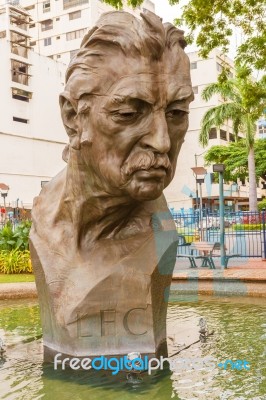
(125, 104)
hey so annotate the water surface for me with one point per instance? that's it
(239, 329)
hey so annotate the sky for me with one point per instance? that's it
(169, 13)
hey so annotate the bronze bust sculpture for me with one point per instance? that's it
(103, 242)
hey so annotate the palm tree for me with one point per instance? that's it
(244, 103)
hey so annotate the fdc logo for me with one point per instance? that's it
(238, 365)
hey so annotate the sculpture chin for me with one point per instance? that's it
(145, 190)
(148, 184)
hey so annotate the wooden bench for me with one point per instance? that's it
(206, 251)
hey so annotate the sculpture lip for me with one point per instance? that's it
(152, 173)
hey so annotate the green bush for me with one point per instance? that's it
(17, 239)
(15, 262)
(247, 227)
(262, 204)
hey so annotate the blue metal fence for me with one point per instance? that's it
(245, 232)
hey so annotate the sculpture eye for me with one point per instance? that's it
(125, 116)
(128, 115)
(175, 113)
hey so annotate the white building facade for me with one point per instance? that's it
(58, 26)
(32, 135)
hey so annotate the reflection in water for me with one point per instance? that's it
(238, 325)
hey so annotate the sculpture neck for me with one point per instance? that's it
(92, 210)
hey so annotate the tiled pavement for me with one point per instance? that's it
(242, 277)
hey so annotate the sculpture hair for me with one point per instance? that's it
(120, 31)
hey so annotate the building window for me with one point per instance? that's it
(22, 120)
(46, 25)
(21, 95)
(46, 6)
(19, 44)
(58, 56)
(193, 65)
(47, 41)
(223, 135)
(33, 43)
(219, 67)
(195, 89)
(43, 183)
(74, 15)
(29, 7)
(213, 133)
(75, 34)
(57, 19)
(73, 3)
(57, 37)
(232, 137)
(19, 72)
(18, 20)
(32, 25)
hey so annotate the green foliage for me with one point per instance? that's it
(262, 205)
(19, 239)
(15, 262)
(21, 235)
(214, 21)
(7, 241)
(247, 227)
(235, 158)
(118, 4)
(244, 103)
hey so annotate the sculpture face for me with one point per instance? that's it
(138, 127)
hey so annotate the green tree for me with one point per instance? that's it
(244, 102)
(262, 205)
(215, 22)
(235, 158)
(118, 4)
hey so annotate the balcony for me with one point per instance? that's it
(73, 3)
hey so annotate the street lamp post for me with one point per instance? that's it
(4, 191)
(199, 173)
(196, 165)
(220, 168)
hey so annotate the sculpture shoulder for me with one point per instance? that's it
(45, 205)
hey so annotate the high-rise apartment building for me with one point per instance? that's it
(58, 26)
(32, 135)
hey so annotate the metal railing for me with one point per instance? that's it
(245, 232)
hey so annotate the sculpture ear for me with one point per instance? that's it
(70, 121)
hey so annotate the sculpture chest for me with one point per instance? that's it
(111, 303)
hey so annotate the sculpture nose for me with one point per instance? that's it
(158, 138)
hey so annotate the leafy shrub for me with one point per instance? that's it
(21, 235)
(262, 204)
(15, 262)
(17, 239)
(247, 227)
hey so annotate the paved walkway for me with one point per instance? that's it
(20, 290)
(243, 277)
